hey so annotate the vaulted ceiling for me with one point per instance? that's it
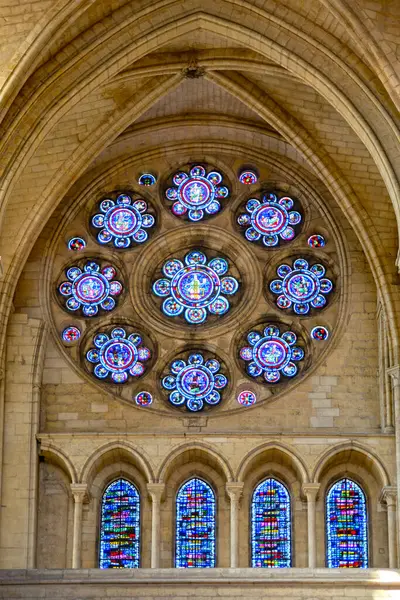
(313, 85)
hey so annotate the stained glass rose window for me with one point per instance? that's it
(118, 356)
(195, 382)
(122, 222)
(271, 354)
(90, 289)
(197, 288)
(301, 287)
(196, 193)
(270, 220)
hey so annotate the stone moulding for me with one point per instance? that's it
(373, 578)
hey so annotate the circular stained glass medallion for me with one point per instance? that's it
(270, 220)
(271, 354)
(247, 398)
(118, 356)
(196, 193)
(301, 287)
(316, 241)
(320, 333)
(143, 399)
(147, 179)
(90, 289)
(71, 334)
(122, 222)
(76, 244)
(194, 287)
(195, 382)
(248, 177)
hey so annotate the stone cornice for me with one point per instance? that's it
(375, 578)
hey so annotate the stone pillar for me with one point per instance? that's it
(155, 491)
(19, 417)
(311, 490)
(394, 373)
(234, 491)
(389, 494)
(385, 394)
(79, 493)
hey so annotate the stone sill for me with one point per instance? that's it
(377, 578)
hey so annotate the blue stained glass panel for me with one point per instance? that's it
(120, 526)
(194, 384)
(302, 287)
(270, 525)
(347, 526)
(195, 525)
(195, 194)
(195, 288)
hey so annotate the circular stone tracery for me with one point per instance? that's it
(271, 354)
(90, 289)
(117, 355)
(195, 383)
(122, 221)
(196, 287)
(196, 194)
(270, 220)
(301, 286)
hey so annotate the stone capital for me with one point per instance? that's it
(79, 492)
(394, 373)
(389, 495)
(310, 490)
(234, 489)
(156, 491)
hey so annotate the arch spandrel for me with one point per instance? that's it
(274, 453)
(58, 457)
(111, 453)
(353, 454)
(197, 452)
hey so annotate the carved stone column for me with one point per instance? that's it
(234, 491)
(389, 496)
(311, 490)
(79, 493)
(394, 373)
(155, 491)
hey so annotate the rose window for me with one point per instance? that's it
(198, 288)
(301, 287)
(271, 354)
(196, 194)
(270, 220)
(118, 356)
(90, 289)
(122, 222)
(195, 383)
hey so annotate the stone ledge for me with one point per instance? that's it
(378, 578)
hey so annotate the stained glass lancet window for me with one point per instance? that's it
(195, 525)
(270, 525)
(347, 526)
(120, 526)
